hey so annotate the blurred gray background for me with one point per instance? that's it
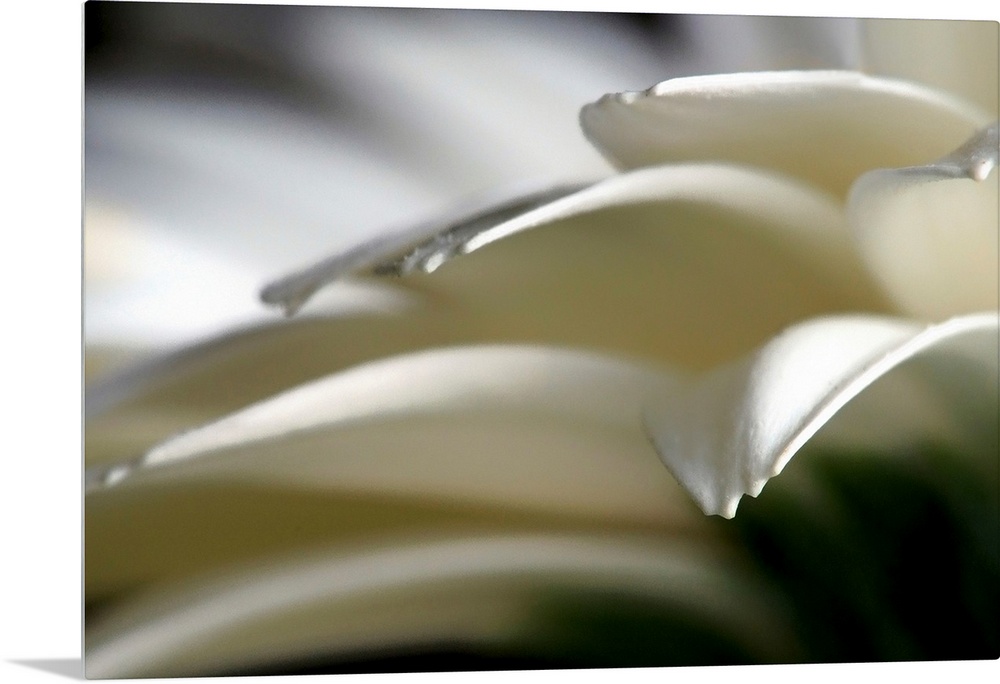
(228, 144)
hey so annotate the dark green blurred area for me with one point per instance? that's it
(900, 561)
(888, 559)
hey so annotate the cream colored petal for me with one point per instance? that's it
(690, 264)
(739, 425)
(391, 252)
(929, 233)
(140, 403)
(826, 127)
(957, 56)
(807, 221)
(350, 107)
(536, 428)
(650, 262)
(693, 265)
(338, 602)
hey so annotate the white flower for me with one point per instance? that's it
(787, 260)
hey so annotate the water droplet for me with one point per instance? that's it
(980, 169)
(432, 262)
(116, 474)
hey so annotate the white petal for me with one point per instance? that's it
(333, 602)
(380, 254)
(543, 429)
(692, 264)
(930, 233)
(740, 425)
(827, 127)
(789, 212)
(650, 262)
(960, 57)
(349, 123)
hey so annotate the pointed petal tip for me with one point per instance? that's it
(728, 508)
(740, 425)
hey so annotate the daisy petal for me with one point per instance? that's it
(827, 127)
(929, 233)
(690, 235)
(479, 591)
(690, 264)
(539, 428)
(740, 425)
(784, 206)
(380, 253)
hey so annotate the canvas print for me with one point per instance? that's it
(423, 340)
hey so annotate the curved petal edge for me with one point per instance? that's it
(804, 217)
(183, 633)
(739, 426)
(929, 233)
(826, 127)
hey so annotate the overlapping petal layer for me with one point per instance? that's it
(613, 266)
(692, 264)
(263, 172)
(428, 423)
(553, 434)
(440, 483)
(486, 591)
(434, 418)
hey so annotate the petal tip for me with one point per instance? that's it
(728, 509)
